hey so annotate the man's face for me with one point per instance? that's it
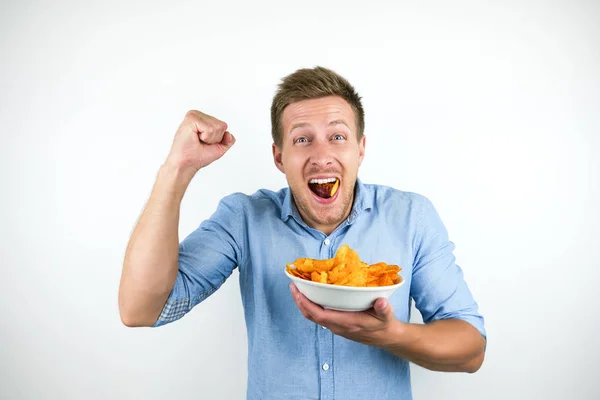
(320, 156)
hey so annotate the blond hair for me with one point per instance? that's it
(308, 84)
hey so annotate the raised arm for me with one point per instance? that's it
(151, 259)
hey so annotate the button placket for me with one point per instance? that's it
(325, 337)
(325, 359)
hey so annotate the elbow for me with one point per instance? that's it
(476, 361)
(136, 318)
(130, 321)
(474, 364)
(133, 318)
(134, 311)
(128, 318)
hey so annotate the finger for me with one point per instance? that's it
(297, 299)
(210, 130)
(322, 316)
(227, 141)
(194, 122)
(216, 151)
(383, 309)
(214, 132)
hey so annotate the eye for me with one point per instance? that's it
(301, 140)
(338, 137)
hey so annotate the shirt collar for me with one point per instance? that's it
(362, 202)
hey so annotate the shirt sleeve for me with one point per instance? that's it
(438, 285)
(207, 257)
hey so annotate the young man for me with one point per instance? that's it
(317, 127)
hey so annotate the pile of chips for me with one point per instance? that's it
(345, 269)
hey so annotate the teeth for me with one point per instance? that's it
(326, 180)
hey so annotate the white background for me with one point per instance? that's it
(492, 110)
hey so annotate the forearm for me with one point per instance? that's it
(447, 345)
(151, 259)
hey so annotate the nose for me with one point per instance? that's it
(321, 155)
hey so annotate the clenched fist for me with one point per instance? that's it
(200, 140)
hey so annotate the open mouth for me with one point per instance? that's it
(325, 188)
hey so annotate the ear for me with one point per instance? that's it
(277, 158)
(361, 149)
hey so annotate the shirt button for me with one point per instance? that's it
(327, 241)
(326, 367)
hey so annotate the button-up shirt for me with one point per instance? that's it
(290, 357)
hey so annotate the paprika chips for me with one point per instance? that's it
(345, 269)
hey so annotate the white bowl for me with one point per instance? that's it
(343, 298)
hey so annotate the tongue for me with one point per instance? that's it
(322, 189)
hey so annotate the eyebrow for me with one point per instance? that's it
(332, 123)
(339, 122)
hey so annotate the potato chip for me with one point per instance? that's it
(345, 269)
(323, 277)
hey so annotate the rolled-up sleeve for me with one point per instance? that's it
(438, 285)
(207, 257)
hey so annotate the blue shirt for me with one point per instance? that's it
(290, 357)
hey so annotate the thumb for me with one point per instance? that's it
(215, 151)
(383, 309)
(225, 144)
(227, 141)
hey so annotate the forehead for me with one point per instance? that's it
(318, 111)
